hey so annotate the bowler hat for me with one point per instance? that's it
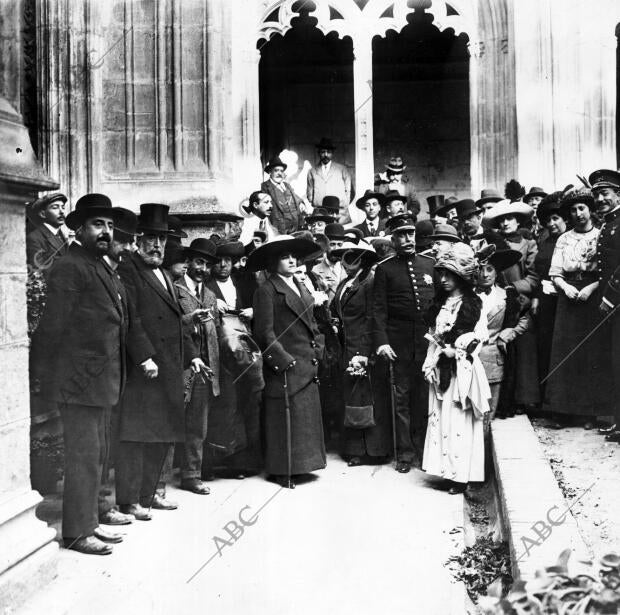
(334, 231)
(42, 202)
(153, 218)
(325, 143)
(447, 206)
(401, 222)
(174, 253)
(233, 249)
(466, 207)
(604, 178)
(126, 223)
(320, 215)
(90, 206)
(331, 203)
(435, 202)
(264, 255)
(395, 165)
(489, 195)
(369, 194)
(276, 161)
(203, 247)
(175, 227)
(445, 232)
(423, 231)
(534, 191)
(393, 195)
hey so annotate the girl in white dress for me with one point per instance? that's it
(459, 392)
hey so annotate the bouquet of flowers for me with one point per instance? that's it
(357, 366)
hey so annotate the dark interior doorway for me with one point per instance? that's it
(421, 105)
(306, 92)
(618, 96)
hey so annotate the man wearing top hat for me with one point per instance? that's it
(46, 243)
(403, 291)
(394, 180)
(606, 191)
(78, 355)
(330, 178)
(152, 411)
(287, 214)
(256, 216)
(371, 204)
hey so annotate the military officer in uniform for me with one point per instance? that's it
(403, 291)
(606, 190)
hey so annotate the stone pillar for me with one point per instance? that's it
(27, 546)
(362, 100)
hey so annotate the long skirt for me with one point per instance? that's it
(374, 441)
(527, 387)
(580, 380)
(454, 445)
(307, 444)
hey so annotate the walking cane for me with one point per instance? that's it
(393, 399)
(287, 414)
(161, 469)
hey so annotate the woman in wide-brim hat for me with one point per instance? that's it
(458, 389)
(578, 387)
(286, 331)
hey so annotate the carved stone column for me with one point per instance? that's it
(27, 547)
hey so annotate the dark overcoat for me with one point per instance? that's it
(43, 248)
(78, 348)
(285, 330)
(152, 409)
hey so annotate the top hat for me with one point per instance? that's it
(459, 259)
(233, 249)
(604, 178)
(370, 194)
(275, 162)
(506, 208)
(153, 218)
(395, 165)
(435, 203)
(423, 231)
(264, 255)
(42, 202)
(334, 231)
(325, 143)
(203, 247)
(331, 204)
(175, 227)
(320, 215)
(126, 223)
(89, 206)
(401, 222)
(534, 191)
(489, 195)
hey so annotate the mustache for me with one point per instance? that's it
(104, 237)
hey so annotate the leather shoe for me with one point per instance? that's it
(160, 503)
(88, 545)
(614, 436)
(283, 481)
(115, 517)
(195, 485)
(354, 461)
(106, 536)
(607, 430)
(457, 488)
(403, 467)
(138, 512)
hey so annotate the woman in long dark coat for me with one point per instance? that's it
(578, 389)
(286, 332)
(352, 306)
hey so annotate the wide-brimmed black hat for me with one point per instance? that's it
(534, 191)
(331, 203)
(369, 194)
(175, 228)
(233, 249)
(446, 232)
(90, 206)
(276, 161)
(401, 222)
(435, 203)
(265, 255)
(320, 215)
(203, 247)
(126, 223)
(604, 178)
(502, 259)
(447, 206)
(489, 195)
(153, 218)
(334, 231)
(423, 232)
(548, 206)
(325, 143)
(42, 202)
(466, 207)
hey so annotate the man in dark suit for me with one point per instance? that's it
(403, 291)
(394, 180)
(46, 243)
(152, 411)
(79, 358)
(606, 191)
(287, 213)
(371, 203)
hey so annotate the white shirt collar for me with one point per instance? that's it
(229, 290)
(191, 284)
(51, 229)
(327, 167)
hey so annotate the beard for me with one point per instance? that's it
(152, 260)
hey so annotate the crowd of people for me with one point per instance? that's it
(388, 338)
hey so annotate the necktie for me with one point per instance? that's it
(262, 225)
(373, 229)
(197, 291)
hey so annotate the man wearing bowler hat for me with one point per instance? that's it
(606, 191)
(469, 217)
(287, 214)
(152, 412)
(371, 204)
(329, 270)
(394, 180)
(403, 291)
(329, 178)
(46, 243)
(78, 355)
